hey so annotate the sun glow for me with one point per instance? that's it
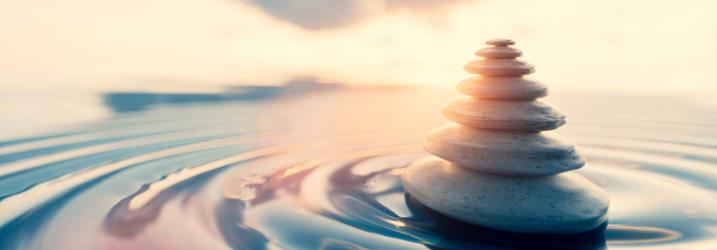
(125, 44)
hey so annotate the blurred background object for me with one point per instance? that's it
(643, 47)
(57, 56)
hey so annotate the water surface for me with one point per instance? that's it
(320, 171)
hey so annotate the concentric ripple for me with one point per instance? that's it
(321, 172)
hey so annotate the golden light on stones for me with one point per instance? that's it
(496, 166)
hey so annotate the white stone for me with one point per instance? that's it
(558, 204)
(500, 42)
(502, 88)
(528, 115)
(504, 152)
(499, 52)
(499, 67)
(496, 167)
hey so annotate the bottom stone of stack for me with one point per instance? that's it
(565, 203)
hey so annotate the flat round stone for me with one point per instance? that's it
(502, 88)
(499, 53)
(504, 152)
(500, 42)
(559, 204)
(499, 67)
(528, 115)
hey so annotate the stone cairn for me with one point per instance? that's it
(495, 166)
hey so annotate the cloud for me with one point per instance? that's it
(323, 14)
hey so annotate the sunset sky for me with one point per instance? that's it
(645, 47)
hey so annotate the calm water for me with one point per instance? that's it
(320, 171)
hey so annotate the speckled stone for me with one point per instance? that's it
(502, 88)
(501, 42)
(499, 67)
(557, 204)
(497, 167)
(527, 115)
(499, 52)
(504, 152)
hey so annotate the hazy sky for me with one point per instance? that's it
(662, 47)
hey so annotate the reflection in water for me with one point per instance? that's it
(461, 235)
(298, 173)
(640, 235)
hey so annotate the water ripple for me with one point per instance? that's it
(302, 174)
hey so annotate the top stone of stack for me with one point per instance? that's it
(500, 50)
(501, 75)
(500, 127)
(499, 61)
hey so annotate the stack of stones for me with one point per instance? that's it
(495, 166)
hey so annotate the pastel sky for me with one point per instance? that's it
(649, 47)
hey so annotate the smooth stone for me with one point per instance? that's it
(500, 42)
(528, 115)
(559, 204)
(499, 67)
(502, 88)
(499, 53)
(504, 152)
